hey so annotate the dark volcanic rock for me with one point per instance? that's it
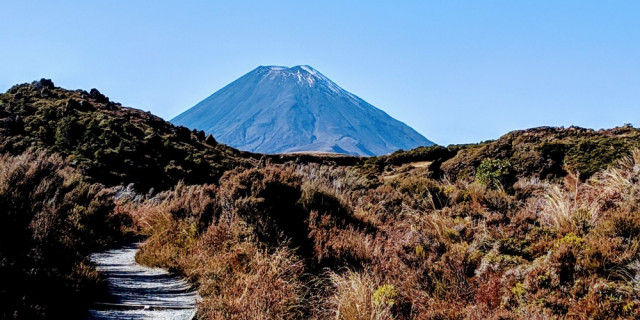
(79, 105)
(43, 83)
(99, 97)
(210, 140)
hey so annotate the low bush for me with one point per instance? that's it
(495, 173)
(50, 221)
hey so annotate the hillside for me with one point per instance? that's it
(280, 110)
(545, 153)
(112, 144)
(404, 237)
(541, 223)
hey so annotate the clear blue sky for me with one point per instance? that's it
(456, 71)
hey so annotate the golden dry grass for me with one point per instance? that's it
(319, 242)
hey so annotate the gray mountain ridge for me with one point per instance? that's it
(275, 109)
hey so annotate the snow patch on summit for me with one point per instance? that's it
(308, 69)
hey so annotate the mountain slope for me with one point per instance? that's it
(278, 110)
(110, 143)
(545, 153)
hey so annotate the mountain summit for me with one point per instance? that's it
(279, 110)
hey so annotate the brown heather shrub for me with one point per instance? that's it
(237, 277)
(50, 220)
(342, 238)
(426, 194)
(615, 242)
(339, 238)
(488, 291)
(378, 206)
(257, 285)
(321, 242)
(215, 244)
(267, 199)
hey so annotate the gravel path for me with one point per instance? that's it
(139, 292)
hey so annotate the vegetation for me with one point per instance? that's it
(111, 144)
(548, 153)
(348, 250)
(540, 224)
(494, 173)
(50, 221)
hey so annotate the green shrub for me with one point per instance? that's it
(495, 173)
(589, 156)
(385, 296)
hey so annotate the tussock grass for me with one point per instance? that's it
(320, 242)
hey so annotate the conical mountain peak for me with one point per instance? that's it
(304, 74)
(276, 109)
(300, 68)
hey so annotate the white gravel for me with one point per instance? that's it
(139, 292)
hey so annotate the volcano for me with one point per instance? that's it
(276, 109)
